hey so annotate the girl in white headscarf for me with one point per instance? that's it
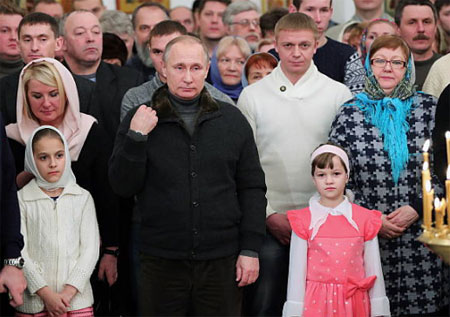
(59, 226)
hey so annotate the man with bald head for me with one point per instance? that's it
(199, 188)
(160, 36)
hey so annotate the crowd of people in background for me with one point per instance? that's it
(213, 160)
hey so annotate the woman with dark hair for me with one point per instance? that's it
(383, 129)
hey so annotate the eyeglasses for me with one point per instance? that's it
(246, 23)
(381, 63)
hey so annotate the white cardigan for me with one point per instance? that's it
(289, 122)
(61, 244)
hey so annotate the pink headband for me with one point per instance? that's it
(328, 148)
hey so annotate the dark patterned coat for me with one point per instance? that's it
(413, 275)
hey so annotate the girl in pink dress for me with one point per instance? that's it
(335, 267)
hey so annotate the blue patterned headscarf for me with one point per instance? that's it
(389, 113)
(233, 91)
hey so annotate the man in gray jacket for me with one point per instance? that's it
(160, 35)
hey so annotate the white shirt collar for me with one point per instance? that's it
(319, 213)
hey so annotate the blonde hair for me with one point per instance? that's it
(296, 22)
(228, 41)
(47, 74)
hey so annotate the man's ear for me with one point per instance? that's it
(292, 8)
(164, 69)
(63, 44)
(316, 45)
(59, 43)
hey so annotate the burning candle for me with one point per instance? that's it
(439, 207)
(427, 204)
(426, 147)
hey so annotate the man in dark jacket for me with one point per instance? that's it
(11, 276)
(191, 161)
(82, 47)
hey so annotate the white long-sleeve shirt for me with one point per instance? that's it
(289, 121)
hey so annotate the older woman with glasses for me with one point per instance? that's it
(383, 129)
(227, 64)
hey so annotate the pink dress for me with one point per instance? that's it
(336, 284)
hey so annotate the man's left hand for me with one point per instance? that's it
(247, 270)
(404, 216)
(12, 280)
(108, 268)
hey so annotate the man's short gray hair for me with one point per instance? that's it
(236, 8)
(185, 39)
(116, 22)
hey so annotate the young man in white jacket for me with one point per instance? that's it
(290, 111)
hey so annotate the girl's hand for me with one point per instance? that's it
(67, 294)
(389, 230)
(53, 302)
(403, 217)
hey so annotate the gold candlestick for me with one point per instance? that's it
(426, 147)
(427, 205)
(437, 239)
(426, 176)
(439, 207)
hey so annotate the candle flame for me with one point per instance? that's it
(437, 203)
(425, 165)
(426, 145)
(447, 135)
(428, 186)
